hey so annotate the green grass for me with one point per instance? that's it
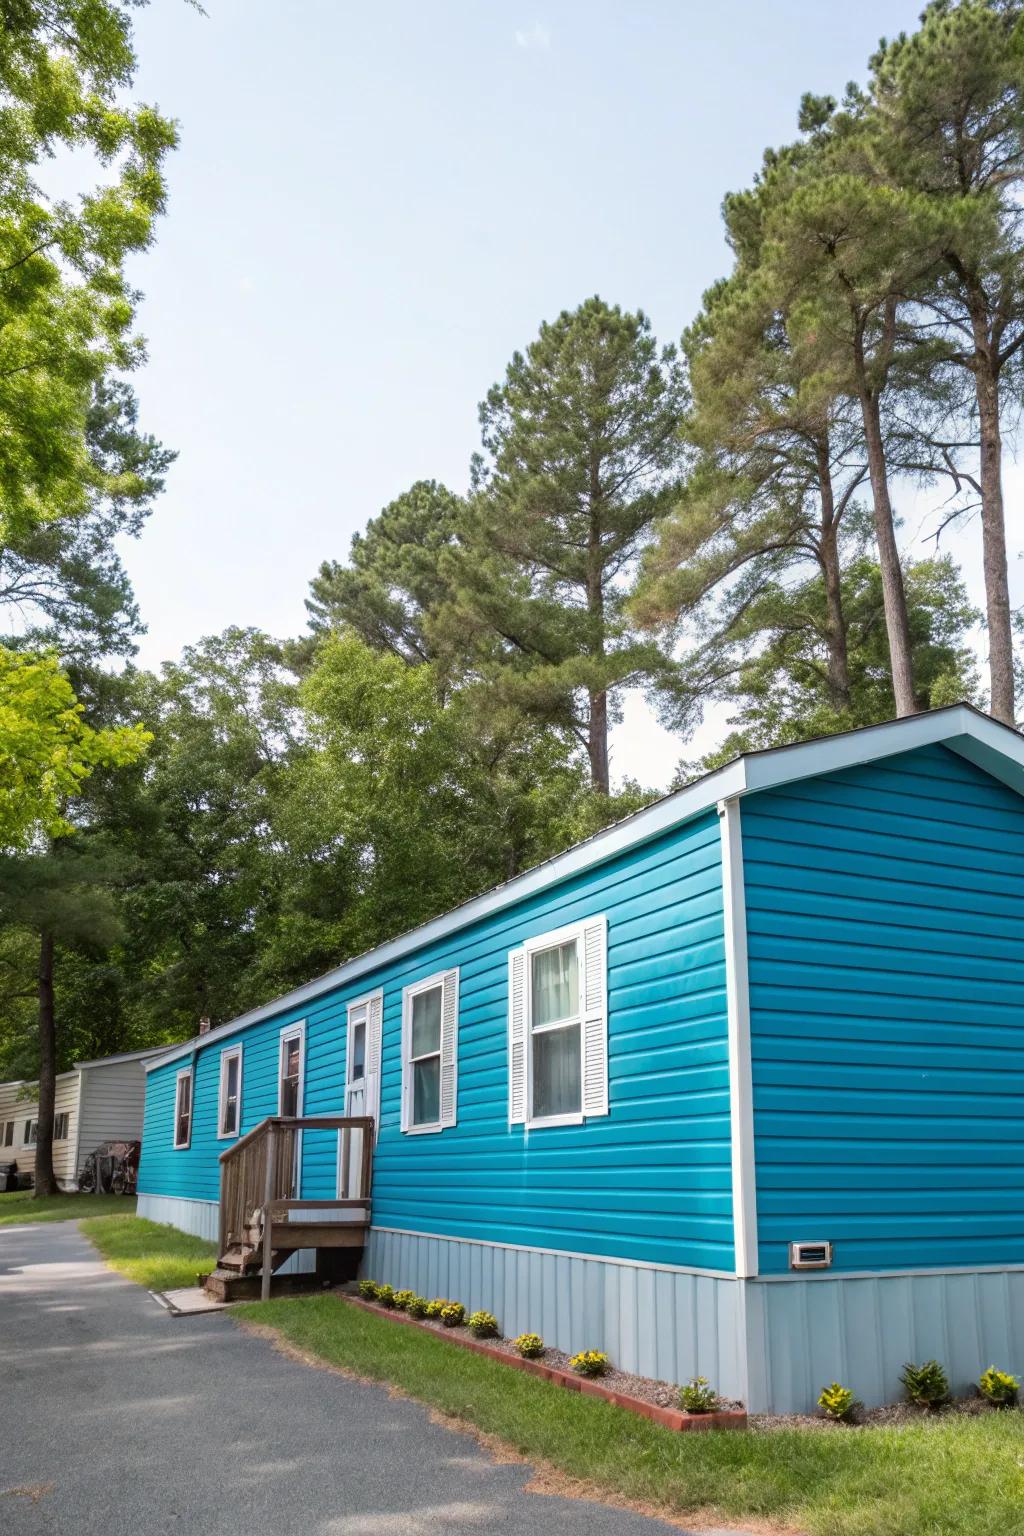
(160, 1258)
(22, 1206)
(942, 1477)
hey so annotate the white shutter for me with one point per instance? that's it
(595, 1016)
(406, 1068)
(449, 1045)
(516, 1037)
(374, 1013)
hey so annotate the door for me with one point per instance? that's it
(362, 1086)
(291, 1072)
(350, 1151)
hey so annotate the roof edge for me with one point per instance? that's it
(962, 727)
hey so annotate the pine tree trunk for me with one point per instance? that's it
(993, 536)
(46, 1184)
(896, 622)
(597, 744)
(828, 555)
(597, 738)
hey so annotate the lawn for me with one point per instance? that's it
(158, 1257)
(22, 1206)
(943, 1477)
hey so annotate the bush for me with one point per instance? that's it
(385, 1295)
(368, 1290)
(453, 1315)
(926, 1385)
(999, 1387)
(530, 1346)
(402, 1300)
(484, 1325)
(838, 1402)
(589, 1362)
(698, 1396)
(437, 1306)
(417, 1306)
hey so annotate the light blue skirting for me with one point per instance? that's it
(666, 1323)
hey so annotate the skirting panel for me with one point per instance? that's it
(660, 1323)
(805, 1333)
(201, 1217)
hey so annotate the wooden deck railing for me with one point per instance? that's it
(260, 1173)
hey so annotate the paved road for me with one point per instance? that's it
(117, 1418)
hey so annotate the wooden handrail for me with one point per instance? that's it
(258, 1172)
(299, 1123)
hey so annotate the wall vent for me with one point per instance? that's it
(810, 1255)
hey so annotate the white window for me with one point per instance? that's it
(31, 1132)
(9, 1134)
(60, 1126)
(430, 1019)
(291, 1071)
(558, 1026)
(183, 1109)
(229, 1112)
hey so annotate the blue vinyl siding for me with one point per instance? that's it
(885, 914)
(650, 1181)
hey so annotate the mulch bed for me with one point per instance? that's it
(655, 1400)
(888, 1416)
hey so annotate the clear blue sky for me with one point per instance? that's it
(373, 206)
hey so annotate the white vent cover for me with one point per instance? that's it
(810, 1255)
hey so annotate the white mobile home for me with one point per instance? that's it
(96, 1101)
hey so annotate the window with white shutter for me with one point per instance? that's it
(430, 1034)
(558, 1026)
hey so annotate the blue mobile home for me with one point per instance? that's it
(735, 1087)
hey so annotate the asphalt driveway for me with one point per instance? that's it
(118, 1418)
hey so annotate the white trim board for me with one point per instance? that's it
(741, 1089)
(990, 745)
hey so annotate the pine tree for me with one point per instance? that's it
(582, 456)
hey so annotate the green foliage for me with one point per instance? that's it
(401, 1299)
(417, 1306)
(775, 662)
(66, 306)
(999, 1387)
(437, 1305)
(698, 1396)
(530, 1345)
(589, 1362)
(837, 1402)
(484, 1325)
(47, 749)
(368, 1290)
(926, 1385)
(393, 584)
(453, 1314)
(385, 1296)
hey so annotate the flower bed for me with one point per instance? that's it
(554, 1368)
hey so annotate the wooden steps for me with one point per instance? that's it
(263, 1221)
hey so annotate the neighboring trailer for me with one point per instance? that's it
(96, 1102)
(735, 1088)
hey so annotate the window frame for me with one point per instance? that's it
(186, 1072)
(292, 1032)
(62, 1114)
(555, 939)
(229, 1052)
(9, 1130)
(434, 983)
(30, 1134)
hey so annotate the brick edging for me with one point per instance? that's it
(671, 1418)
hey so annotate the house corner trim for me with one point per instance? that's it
(741, 1093)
